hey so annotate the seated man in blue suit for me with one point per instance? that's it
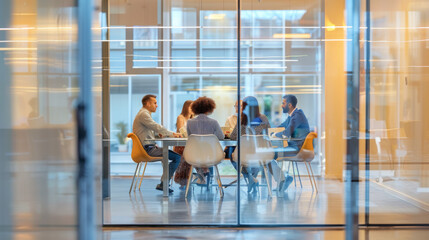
(296, 129)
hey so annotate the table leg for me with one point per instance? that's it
(166, 178)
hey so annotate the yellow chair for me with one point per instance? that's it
(305, 155)
(139, 156)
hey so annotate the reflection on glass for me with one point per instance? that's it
(398, 118)
(40, 86)
(283, 59)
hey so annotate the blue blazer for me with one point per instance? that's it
(296, 127)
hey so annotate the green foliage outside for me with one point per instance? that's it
(122, 134)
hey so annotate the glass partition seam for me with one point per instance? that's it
(106, 101)
(238, 204)
(86, 186)
(130, 92)
(367, 106)
(198, 36)
(353, 90)
(322, 75)
(6, 146)
(129, 46)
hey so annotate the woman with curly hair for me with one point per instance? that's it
(202, 124)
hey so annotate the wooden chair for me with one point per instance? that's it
(305, 155)
(139, 156)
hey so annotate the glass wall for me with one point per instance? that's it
(397, 70)
(173, 53)
(39, 91)
(191, 47)
(188, 49)
(283, 55)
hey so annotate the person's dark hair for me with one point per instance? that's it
(291, 99)
(250, 110)
(185, 108)
(203, 105)
(146, 98)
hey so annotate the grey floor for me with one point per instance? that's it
(265, 234)
(228, 233)
(297, 205)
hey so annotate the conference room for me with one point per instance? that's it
(191, 50)
(203, 113)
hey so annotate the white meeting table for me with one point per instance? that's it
(170, 142)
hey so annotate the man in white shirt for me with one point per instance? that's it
(146, 129)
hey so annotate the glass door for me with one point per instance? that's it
(283, 59)
(177, 51)
(396, 70)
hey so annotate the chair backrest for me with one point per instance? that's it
(307, 150)
(254, 150)
(138, 154)
(203, 150)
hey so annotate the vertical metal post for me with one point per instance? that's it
(6, 221)
(85, 131)
(352, 162)
(238, 107)
(367, 105)
(106, 98)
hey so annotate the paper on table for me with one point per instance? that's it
(182, 131)
(226, 131)
(272, 131)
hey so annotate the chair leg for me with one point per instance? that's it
(279, 180)
(138, 175)
(219, 182)
(229, 184)
(268, 182)
(314, 180)
(288, 168)
(144, 170)
(189, 181)
(309, 176)
(208, 181)
(135, 172)
(299, 176)
(293, 170)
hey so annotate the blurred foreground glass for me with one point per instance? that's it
(39, 89)
(398, 116)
